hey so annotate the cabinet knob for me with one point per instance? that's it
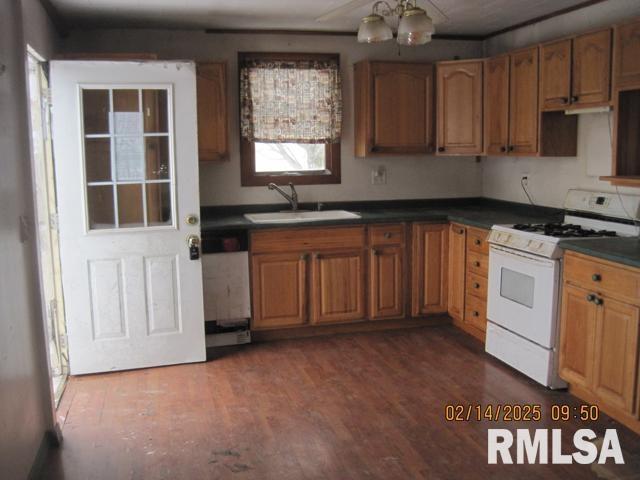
(511, 148)
(598, 301)
(461, 231)
(388, 235)
(565, 100)
(441, 149)
(503, 149)
(476, 285)
(376, 252)
(476, 264)
(591, 297)
(477, 241)
(317, 256)
(476, 314)
(304, 256)
(596, 277)
(574, 99)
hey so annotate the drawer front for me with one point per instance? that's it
(392, 234)
(477, 286)
(602, 277)
(307, 239)
(478, 263)
(477, 240)
(475, 312)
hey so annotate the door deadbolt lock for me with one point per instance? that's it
(192, 219)
(193, 242)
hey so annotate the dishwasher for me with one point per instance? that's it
(227, 303)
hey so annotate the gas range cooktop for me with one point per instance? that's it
(563, 230)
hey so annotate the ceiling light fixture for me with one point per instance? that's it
(415, 27)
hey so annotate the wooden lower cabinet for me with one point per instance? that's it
(279, 286)
(337, 287)
(386, 282)
(430, 258)
(457, 270)
(599, 337)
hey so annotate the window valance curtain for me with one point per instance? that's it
(290, 101)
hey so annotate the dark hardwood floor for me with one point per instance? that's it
(361, 405)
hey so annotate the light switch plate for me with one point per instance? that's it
(379, 175)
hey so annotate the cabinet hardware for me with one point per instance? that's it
(476, 285)
(388, 235)
(304, 256)
(511, 148)
(574, 99)
(565, 100)
(591, 297)
(596, 277)
(476, 314)
(477, 242)
(503, 149)
(441, 149)
(317, 256)
(476, 264)
(376, 252)
(461, 231)
(598, 301)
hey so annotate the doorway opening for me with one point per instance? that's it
(46, 216)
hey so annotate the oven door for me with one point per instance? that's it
(523, 294)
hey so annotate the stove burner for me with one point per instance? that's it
(563, 230)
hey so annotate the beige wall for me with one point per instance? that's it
(407, 177)
(550, 178)
(25, 400)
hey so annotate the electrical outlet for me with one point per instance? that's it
(379, 175)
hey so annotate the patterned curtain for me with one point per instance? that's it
(290, 101)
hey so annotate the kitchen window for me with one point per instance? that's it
(290, 118)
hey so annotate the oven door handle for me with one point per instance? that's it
(521, 256)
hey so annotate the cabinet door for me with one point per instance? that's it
(577, 336)
(496, 108)
(211, 87)
(429, 269)
(279, 290)
(592, 68)
(616, 354)
(386, 282)
(456, 276)
(459, 102)
(523, 115)
(402, 108)
(337, 287)
(626, 58)
(555, 75)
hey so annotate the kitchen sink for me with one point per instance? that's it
(300, 216)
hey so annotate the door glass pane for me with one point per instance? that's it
(95, 109)
(129, 158)
(517, 287)
(157, 157)
(159, 204)
(97, 153)
(130, 206)
(125, 101)
(154, 110)
(100, 206)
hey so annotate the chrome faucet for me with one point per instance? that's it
(292, 199)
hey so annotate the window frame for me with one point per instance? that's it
(249, 177)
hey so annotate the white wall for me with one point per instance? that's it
(25, 401)
(550, 178)
(407, 177)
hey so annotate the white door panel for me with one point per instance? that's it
(127, 177)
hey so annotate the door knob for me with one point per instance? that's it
(193, 242)
(192, 219)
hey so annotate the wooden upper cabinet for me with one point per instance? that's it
(555, 75)
(616, 354)
(213, 135)
(626, 58)
(457, 271)
(279, 290)
(591, 78)
(394, 110)
(523, 115)
(496, 111)
(429, 262)
(459, 107)
(337, 286)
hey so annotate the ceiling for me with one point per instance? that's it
(465, 17)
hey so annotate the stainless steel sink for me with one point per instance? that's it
(299, 217)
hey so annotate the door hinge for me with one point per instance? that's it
(54, 223)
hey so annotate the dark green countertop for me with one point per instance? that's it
(483, 213)
(623, 250)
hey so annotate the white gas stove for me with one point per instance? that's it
(525, 270)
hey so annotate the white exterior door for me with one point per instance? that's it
(126, 162)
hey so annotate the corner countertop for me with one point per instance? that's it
(624, 250)
(478, 212)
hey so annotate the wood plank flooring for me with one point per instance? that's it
(352, 406)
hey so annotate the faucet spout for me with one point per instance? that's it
(292, 199)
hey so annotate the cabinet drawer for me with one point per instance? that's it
(478, 263)
(477, 286)
(386, 234)
(307, 239)
(602, 277)
(477, 240)
(475, 312)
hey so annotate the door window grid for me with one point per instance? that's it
(142, 135)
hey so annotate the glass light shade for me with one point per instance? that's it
(415, 28)
(373, 29)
